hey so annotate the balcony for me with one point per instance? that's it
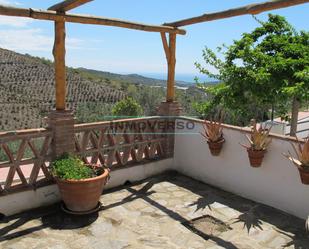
(166, 190)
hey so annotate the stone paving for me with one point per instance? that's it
(167, 211)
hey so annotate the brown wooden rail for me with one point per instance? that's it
(122, 142)
(25, 154)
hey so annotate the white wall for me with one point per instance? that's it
(275, 183)
(22, 201)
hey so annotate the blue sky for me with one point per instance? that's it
(130, 51)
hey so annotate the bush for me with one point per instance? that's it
(71, 167)
(93, 112)
(127, 108)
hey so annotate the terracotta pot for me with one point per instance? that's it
(82, 195)
(304, 176)
(215, 147)
(256, 157)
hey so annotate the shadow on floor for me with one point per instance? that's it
(145, 194)
(253, 214)
(48, 217)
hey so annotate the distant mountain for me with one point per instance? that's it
(129, 78)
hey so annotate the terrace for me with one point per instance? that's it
(157, 198)
(166, 211)
(166, 189)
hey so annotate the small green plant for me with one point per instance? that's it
(259, 139)
(302, 152)
(69, 167)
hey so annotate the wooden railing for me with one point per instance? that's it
(25, 154)
(122, 142)
(24, 157)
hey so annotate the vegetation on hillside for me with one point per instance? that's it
(27, 92)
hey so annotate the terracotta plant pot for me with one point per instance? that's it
(215, 147)
(256, 157)
(82, 195)
(304, 176)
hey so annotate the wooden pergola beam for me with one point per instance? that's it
(251, 9)
(68, 5)
(86, 19)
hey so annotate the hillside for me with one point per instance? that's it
(27, 90)
(128, 78)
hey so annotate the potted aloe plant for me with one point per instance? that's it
(302, 160)
(80, 184)
(259, 141)
(213, 133)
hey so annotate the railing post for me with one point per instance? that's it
(61, 123)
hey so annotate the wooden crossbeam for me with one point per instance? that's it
(85, 19)
(68, 5)
(251, 9)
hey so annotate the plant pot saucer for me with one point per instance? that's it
(68, 211)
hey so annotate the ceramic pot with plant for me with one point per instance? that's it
(80, 184)
(302, 160)
(214, 136)
(259, 141)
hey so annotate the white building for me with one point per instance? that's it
(283, 127)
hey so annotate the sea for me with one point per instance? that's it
(188, 78)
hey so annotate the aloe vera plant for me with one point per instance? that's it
(302, 153)
(213, 130)
(213, 133)
(259, 139)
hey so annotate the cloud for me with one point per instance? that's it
(9, 2)
(32, 40)
(12, 20)
(17, 22)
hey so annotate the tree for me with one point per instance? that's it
(127, 108)
(93, 112)
(264, 69)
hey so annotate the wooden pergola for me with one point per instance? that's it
(59, 14)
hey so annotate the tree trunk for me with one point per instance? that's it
(294, 119)
(272, 112)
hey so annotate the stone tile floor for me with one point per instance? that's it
(166, 211)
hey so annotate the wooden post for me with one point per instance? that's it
(170, 108)
(171, 63)
(59, 56)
